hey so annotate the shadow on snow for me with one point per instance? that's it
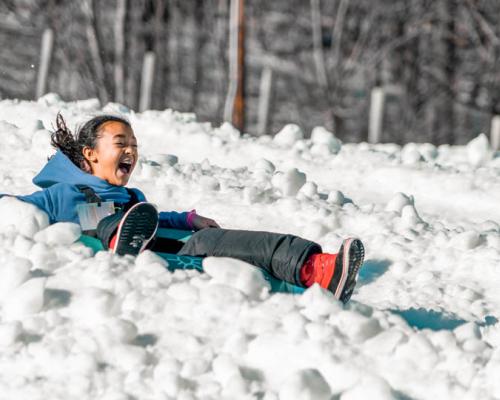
(420, 318)
(372, 270)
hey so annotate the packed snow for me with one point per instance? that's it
(422, 323)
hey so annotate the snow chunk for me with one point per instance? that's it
(357, 327)
(467, 331)
(398, 202)
(118, 330)
(410, 154)
(289, 182)
(479, 151)
(466, 240)
(489, 226)
(40, 142)
(225, 369)
(209, 183)
(62, 233)
(194, 367)
(289, 135)
(25, 300)
(294, 325)
(409, 216)
(183, 291)
(88, 105)
(13, 273)
(324, 139)
(115, 108)
(315, 230)
(150, 264)
(428, 151)
(309, 190)
(336, 197)
(50, 99)
(93, 305)
(265, 166)
(307, 384)
(400, 268)
(228, 132)
(166, 376)
(128, 357)
(372, 387)
(164, 159)
(385, 342)
(318, 302)
(8, 129)
(237, 274)
(9, 332)
(21, 217)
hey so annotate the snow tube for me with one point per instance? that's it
(188, 262)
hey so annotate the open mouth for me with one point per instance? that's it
(125, 167)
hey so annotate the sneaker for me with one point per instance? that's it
(136, 229)
(336, 272)
(349, 259)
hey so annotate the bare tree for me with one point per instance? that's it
(119, 37)
(95, 46)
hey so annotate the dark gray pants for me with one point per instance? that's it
(279, 254)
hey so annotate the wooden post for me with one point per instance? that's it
(45, 58)
(376, 115)
(266, 84)
(234, 109)
(495, 133)
(119, 30)
(148, 70)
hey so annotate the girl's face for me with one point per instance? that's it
(115, 154)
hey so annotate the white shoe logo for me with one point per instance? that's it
(137, 241)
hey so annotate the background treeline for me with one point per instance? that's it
(435, 60)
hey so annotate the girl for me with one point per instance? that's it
(91, 169)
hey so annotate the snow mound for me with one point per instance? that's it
(74, 324)
(307, 384)
(324, 142)
(24, 300)
(289, 182)
(14, 271)
(21, 217)
(237, 274)
(479, 151)
(62, 233)
(289, 135)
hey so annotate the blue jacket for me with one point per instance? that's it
(60, 195)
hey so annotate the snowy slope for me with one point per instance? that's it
(421, 325)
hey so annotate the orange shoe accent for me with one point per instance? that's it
(319, 268)
(327, 262)
(307, 272)
(112, 242)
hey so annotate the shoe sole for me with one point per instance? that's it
(352, 253)
(136, 229)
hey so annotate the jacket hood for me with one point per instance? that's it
(60, 169)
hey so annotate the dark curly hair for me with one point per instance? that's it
(72, 145)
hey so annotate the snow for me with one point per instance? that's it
(422, 323)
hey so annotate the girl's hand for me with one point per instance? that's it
(198, 222)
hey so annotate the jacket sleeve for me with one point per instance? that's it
(173, 219)
(168, 219)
